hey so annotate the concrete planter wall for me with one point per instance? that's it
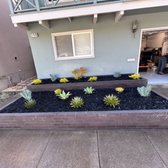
(71, 120)
(81, 85)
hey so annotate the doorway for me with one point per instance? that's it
(150, 52)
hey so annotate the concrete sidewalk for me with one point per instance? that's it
(84, 149)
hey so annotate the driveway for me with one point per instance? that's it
(117, 148)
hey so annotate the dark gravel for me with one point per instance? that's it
(130, 100)
(85, 79)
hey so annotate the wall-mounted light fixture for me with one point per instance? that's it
(134, 27)
(34, 35)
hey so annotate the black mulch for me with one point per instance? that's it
(130, 100)
(85, 79)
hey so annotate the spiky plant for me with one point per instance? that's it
(77, 102)
(29, 102)
(63, 95)
(88, 90)
(111, 100)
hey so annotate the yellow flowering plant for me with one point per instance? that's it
(57, 91)
(64, 80)
(119, 89)
(135, 76)
(92, 79)
(37, 81)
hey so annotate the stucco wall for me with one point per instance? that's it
(114, 44)
(13, 43)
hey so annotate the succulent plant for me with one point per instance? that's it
(88, 90)
(119, 89)
(37, 81)
(135, 76)
(63, 95)
(117, 75)
(57, 91)
(111, 100)
(64, 80)
(29, 102)
(144, 91)
(76, 102)
(26, 94)
(92, 79)
(53, 77)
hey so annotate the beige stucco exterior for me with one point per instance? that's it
(16, 59)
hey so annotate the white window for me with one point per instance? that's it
(73, 45)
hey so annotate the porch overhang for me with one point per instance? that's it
(45, 15)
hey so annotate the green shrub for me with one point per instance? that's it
(77, 102)
(144, 91)
(111, 100)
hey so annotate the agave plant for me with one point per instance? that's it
(88, 90)
(63, 95)
(29, 102)
(53, 77)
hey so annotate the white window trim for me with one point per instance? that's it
(73, 48)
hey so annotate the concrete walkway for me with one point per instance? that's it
(163, 88)
(84, 149)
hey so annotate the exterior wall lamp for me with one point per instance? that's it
(34, 35)
(134, 27)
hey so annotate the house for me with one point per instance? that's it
(16, 62)
(102, 35)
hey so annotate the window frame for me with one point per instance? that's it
(72, 33)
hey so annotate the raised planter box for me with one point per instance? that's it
(73, 120)
(96, 85)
